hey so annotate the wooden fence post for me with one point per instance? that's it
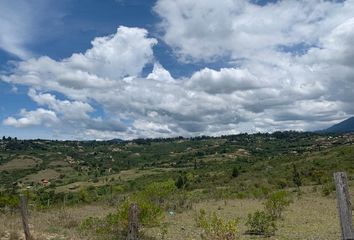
(133, 224)
(24, 214)
(344, 205)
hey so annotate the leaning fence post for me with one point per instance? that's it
(24, 214)
(133, 224)
(344, 206)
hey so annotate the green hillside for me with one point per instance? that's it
(259, 159)
(179, 174)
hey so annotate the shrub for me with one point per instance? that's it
(181, 182)
(261, 223)
(9, 201)
(149, 203)
(115, 226)
(235, 172)
(328, 188)
(296, 177)
(158, 192)
(215, 228)
(276, 203)
(84, 196)
(104, 227)
(150, 214)
(281, 183)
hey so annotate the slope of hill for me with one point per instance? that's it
(96, 182)
(342, 127)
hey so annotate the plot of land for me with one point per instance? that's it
(21, 162)
(48, 174)
(58, 163)
(308, 218)
(123, 176)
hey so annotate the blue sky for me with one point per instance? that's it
(88, 69)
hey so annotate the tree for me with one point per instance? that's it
(235, 172)
(296, 177)
(179, 182)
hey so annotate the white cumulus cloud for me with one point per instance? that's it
(289, 68)
(33, 118)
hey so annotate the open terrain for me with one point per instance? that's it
(70, 182)
(311, 216)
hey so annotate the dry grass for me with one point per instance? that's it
(125, 175)
(132, 174)
(59, 163)
(19, 163)
(310, 217)
(44, 174)
(52, 224)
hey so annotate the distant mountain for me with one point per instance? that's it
(342, 127)
(116, 140)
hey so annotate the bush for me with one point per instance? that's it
(84, 196)
(9, 202)
(235, 172)
(115, 225)
(150, 214)
(328, 188)
(150, 206)
(158, 192)
(276, 203)
(215, 228)
(181, 182)
(261, 223)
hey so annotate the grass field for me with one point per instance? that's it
(311, 216)
(20, 162)
(48, 174)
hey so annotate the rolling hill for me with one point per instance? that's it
(342, 127)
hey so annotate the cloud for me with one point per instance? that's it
(99, 68)
(206, 29)
(124, 53)
(21, 24)
(160, 74)
(333, 63)
(13, 27)
(227, 80)
(266, 88)
(70, 110)
(33, 118)
(105, 126)
(98, 75)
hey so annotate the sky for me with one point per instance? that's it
(90, 69)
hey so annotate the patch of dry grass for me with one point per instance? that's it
(125, 175)
(21, 162)
(51, 224)
(43, 174)
(59, 163)
(308, 218)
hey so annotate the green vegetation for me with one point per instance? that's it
(166, 177)
(276, 204)
(261, 223)
(215, 228)
(264, 222)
